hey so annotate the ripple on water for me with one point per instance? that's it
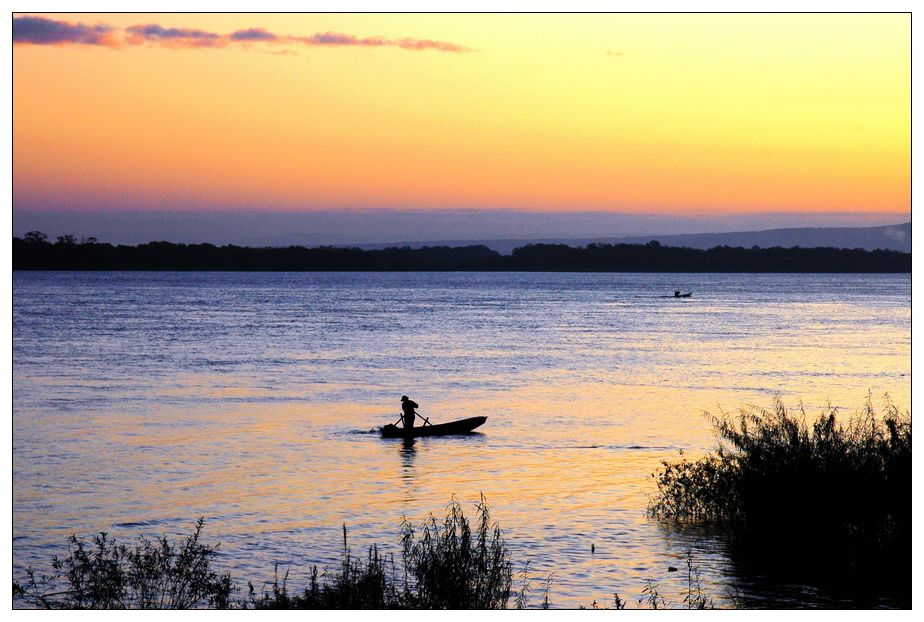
(253, 400)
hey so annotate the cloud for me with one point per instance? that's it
(426, 44)
(42, 31)
(173, 37)
(614, 53)
(254, 34)
(336, 38)
(407, 43)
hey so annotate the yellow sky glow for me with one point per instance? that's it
(636, 113)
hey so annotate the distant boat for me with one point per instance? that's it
(677, 294)
(462, 426)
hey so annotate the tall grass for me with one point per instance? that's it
(695, 596)
(840, 483)
(446, 564)
(357, 583)
(453, 567)
(103, 574)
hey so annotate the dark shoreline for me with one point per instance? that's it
(36, 253)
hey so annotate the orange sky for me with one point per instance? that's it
(633, 113)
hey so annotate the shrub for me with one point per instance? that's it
(446, 566)
(453, 568)
(357, 584)
(152, 575)
(843, 484)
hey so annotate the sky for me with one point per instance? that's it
(680, 119)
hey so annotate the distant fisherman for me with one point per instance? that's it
(408, 406)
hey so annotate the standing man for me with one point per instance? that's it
(408, 407)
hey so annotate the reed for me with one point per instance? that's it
(838, 483)
(453, 567)
(103, 574)
(356, 584)
(446, 564)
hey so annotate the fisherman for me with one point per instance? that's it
(408, 406)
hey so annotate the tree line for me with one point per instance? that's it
(35, 252)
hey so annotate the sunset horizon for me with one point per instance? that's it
(634, 113)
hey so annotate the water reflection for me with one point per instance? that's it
(769, 572)
(166, 409)
(408, 453)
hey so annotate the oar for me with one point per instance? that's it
(426, 420)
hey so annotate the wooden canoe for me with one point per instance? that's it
(462, 426)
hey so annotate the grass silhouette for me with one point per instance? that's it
(152, 575)
(446, 564)
(832, 495)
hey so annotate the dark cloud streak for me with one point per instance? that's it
(42, 31)
(426, 44)
(254, 34)
(337, 39)
(173, 37)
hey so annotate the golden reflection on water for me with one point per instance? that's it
(564, 465)
(590, 473)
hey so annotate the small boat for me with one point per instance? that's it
(677, 294)
(462, 426)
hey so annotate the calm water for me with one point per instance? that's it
(144, 400)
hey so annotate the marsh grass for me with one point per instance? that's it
(357, 583)
(451, 563)
(838, 485)
(446, 564)
(453, 567)
(695, 597)
(103, 574)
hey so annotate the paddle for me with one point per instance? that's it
(426, 420)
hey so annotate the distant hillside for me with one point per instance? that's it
(889, 237)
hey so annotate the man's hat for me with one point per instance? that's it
(403, 398)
